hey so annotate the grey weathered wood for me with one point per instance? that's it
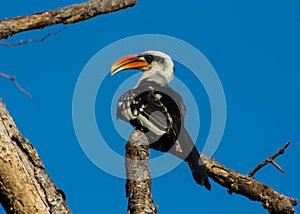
(66, 15)
(25, 186)
(247, 186)
(138, 184)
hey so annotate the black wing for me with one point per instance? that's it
(159, 112)
(150, 110)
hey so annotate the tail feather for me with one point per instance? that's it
(192, 157)
(198, 169)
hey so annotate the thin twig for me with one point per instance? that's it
(14, 80)
(271, 160)
(247, 186)
(23, 42)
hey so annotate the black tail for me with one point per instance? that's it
(192, 157)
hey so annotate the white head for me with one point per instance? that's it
(156, 66)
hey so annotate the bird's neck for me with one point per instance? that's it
(157, 75)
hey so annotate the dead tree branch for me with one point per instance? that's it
(23, 42)
(25, 186)
(14, 80)
(138, 184)
(247, 186)
(271, 160)
(66, 15)
(244, 185)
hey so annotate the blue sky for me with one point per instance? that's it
(254, 48)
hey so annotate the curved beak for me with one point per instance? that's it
(134, 61)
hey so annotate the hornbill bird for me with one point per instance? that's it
(157, 110)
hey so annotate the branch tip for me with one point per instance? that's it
(14, 80)
(23, 42)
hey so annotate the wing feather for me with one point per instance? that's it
(152, 107)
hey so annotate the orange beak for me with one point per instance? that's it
(128, 62)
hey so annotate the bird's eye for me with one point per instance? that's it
(148, 58)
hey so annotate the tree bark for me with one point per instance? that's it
(247, 186)
(66, 15)
(138, 184)
(235, 182)
(25, 186)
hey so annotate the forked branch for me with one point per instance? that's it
(247, 186)
(271, 160)
(240, 184)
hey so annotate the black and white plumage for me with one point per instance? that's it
(157, 110)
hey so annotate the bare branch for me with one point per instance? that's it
(23, 42)
(271, 160)
(66, 15)
(247, 186)
(14, 80)
(25, 186)
(138, 184)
